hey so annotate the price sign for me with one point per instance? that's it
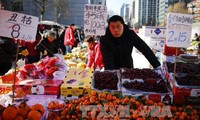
(18, 26)
(95, 17)
(179, 27)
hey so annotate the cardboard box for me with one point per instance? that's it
(76, 87)
(5, 88)
(9, 78)
(184, 94)
(38, 86)
(77, 83)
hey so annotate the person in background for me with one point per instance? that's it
(117, 46)
(33, 55)
(69, 38)
(8, 50)
(49, 46)
(95, 58)
(196, 37)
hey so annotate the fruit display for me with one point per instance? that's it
(188, 80)
(22, 112)
(44, 69)
(146, 80)
(136, 73)
(97, 106)
(189, 68)
(187, 74)
(78, 57)
(55, 105)
(147, 86)
(106, 80)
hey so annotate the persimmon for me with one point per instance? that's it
(7, 113)
(38, 107)
(25, 106)
(34, 115)
(19, 117)
(22, 112)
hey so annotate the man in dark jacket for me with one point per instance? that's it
(117, 46)
(8, 50)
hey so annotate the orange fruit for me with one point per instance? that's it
(24, 106)
(7, 113)
(34, 115)
(19, 118)
(38, 107)
(22, 112)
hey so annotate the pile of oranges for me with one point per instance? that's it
(74, 109)
(22, 112)
(55, 105)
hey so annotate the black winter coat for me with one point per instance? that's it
(51, 48)
(117, 52)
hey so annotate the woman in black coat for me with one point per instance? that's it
(49, 45)
(8, 49)
(117, 46)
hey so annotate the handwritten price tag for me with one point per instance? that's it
(18, 26)
(95, 17)
(179, 27)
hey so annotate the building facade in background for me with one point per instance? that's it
(124, 12)
(74, 9)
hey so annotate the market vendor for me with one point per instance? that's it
(8, 50)
(117, 46)
(49, 45)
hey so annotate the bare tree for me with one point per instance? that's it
(59, 5)
(42, 5)
(179, 7)
(61, 9)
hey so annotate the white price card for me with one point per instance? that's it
(18, 26)
(95, 19)
(179, 28)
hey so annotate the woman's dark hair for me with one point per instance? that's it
(89, 39)
(116, 18)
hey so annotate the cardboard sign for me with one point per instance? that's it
(18, 26)
(179, 27)
(95, 17)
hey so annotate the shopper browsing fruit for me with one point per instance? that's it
(95, 58)
(117, 46)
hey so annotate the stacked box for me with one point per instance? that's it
(77, 83)
(38, 86)
(185, 84)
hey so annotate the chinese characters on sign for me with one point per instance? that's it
(179, 27)
(95, 17)
(18, 26)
